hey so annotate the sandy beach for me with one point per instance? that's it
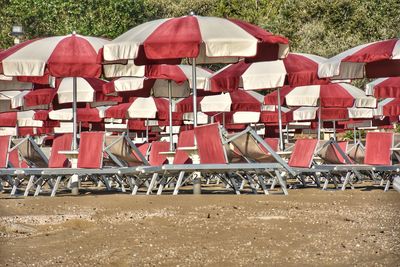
(309, 227)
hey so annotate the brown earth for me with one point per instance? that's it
(309, 227)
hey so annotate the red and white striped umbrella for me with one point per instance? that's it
(328, 95)
(11, 100)
(13, 84)
(384, 88)
(83, 115)
(62, 56)
(89, 90)
(156, 79)
(388, 107)
(294, 70)
(372, 60)
(270, 115)
(209, 39)
(139, 108)
(20, 118)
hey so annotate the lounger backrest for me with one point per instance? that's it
(331, 155)
(303, 153)
(28, 152)
(14, 161)
(209, 144)
(251, 149)
(377, 148)
(61, 142)
(4, 145)
(122, 150)
(186, 139)
(396, 144)
(356, 153)
(155, 159)
(273, 143)
(91, 150)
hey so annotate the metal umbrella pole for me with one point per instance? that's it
(354, 134)
(281, 145)
(147, 130)
(74, 178)
(319, 122)
(197, 175)
(334, 130)
(171, 143)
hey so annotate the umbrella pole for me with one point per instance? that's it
(281, 146)
(194, 86)
(171, 144)
(334, 130)
(74, 161)
(223, 119)
(354, 135)
(319, 123)
(147, 130)
(287, 133)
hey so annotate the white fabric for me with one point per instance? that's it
(263, 75)
(246, 117)
(25, 119)
(126, 46)
(396, 50)
(122, 70)
(202, 118)
(61, 114)
(18, 100)
(11, 99)
(4, 131)
(369, 87)
(360, 113)
(112, 120)
(65, 127)
(142, 108)
(102, 110)
(85, 92)
(9, 85)
(116, 126)
(360, 99)
(305, 113)
(128, 84)
(303, 96)
(160, 89)
(202, 76)
(216, 103)
(257, 96)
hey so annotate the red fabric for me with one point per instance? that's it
(8, 119)
(343, 147)
(243, 101)
(389, 88)
(186, 139)
(272, 98)
(273, 143)
(392, 108)
(138, 125)
(229, 78)
(88, 115)
(155, 159)
(37, 80)
(23, 131)
(162, 105)
(377, 148)
(91, 150)
(4, 145)
(39, 97)
(209, 145)
(302, 71)
(61, 142)
(74, 57)
(41, 115)
(303, 153)
(166, 72)
(175, 38)
(273, 116)
(333, 95)
(143, 149)
(373, 52)
(186, 105)
(334, 114)
(13, 159)
(142, 59)
(118, 111)
(383, 68)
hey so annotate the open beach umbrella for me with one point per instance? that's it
(384, 88)
(13, 85)
(59, 56)
(294, 70)
(202, 39)
(372, 60)
(388, 107)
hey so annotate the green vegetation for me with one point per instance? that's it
(319, 27)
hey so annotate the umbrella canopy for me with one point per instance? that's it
(294, 70)
(209, 39)
(155, 81)
(11, 100)
(269, 115)
(328, 95)
(140, 108)
(21, 119)
(388, 107)
(384, 88)
(372, 60)
(13, 84)
(62, 56)
(83, 115)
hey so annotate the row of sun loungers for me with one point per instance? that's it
(234, 159)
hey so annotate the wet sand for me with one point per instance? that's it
(309, 227)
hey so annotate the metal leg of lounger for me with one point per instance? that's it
(326, 183)
(30, 184)
(39, 184)
(274, 181)
(106, 182)
(262, 184)
(346, 180)
(163, 181)
(387, 186)
(251, 183)
(135, 188)
(55, 187)
(178, 183)
(381, 182)
(121, 183)
(281, 182)
(235, 187)
(15, 184)
(152, 183)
